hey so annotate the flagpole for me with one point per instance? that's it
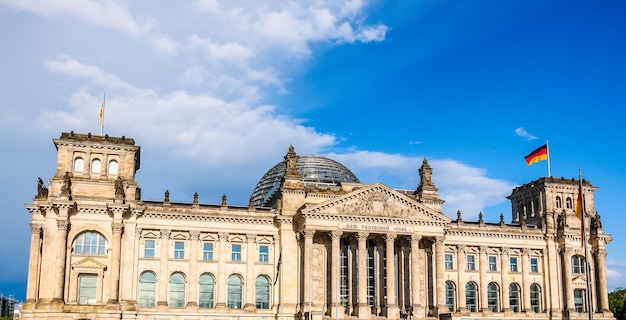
(584, 236)
(104, 96)
(548, 152)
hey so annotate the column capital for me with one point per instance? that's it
(222, 236)
(138, 232)
(250, 237)
(362, 235)
(461, 248)
(117, 227)
(35, 228)
(390, 237)
(505, 250)
(483, 249)
(308, 233)
(438, 240)
(63, 225)
(415, 238)
(601, 253)
(526, 251)
(335, 234)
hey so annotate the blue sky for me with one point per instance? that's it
(215, 92)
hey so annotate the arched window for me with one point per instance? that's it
(568, 203)
(559, 203)
(90, 243)
(262, 292)
(235, 292)
(514, 294)
(207, 291)
(579, 300)
(493, 297)
(79, 164)
(147, 289)
(450, 295)
(471, 297)
(578, 264)
(177, 290)
(113, 167)
(535, 298)
(96, 166)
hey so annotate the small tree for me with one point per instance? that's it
(617, 303)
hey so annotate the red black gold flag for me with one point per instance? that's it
(537, 155)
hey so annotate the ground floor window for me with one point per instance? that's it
(87, 288)
(471, 294)
(207, 291)
(262, 292)
(579, 300)
(535, 298)
(235, 292)
(514, 297)
(147, 289)
(493, 293)
(450, 294)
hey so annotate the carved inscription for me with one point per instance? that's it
(375, 227)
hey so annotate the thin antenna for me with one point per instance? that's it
(548, 152)
(102, 112)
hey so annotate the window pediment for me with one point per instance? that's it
(89, 264)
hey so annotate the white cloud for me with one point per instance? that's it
(165, 45)
(104, 13)
(521, 132)
(463, 188)
(616, 273)
(64, 64)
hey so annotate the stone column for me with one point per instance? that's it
(194, 237)
(483, 265)
(504, 271)
(164, 276)
(221, 271)
(308, 247)
(392, 308)
(380, 289)
(461, 265)
(116, 245)
(335, 237)
(34, 263)
(416, 302)
(440, 275)
(603, 294)
(59, 280)
(553, 276)
(250, 258)
(352, 278)
(363, 310)
(567, 278)
(526, 279)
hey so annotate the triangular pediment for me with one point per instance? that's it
(376, 200)
(88, 264)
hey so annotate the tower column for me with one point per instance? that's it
(117, 228)
(380, 289)
(567, 278)
(335, 254)
(603, 294)
(34, 263)
(363, 309)
(59, 279)
(392, 307)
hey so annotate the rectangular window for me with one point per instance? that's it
(579, 300)
(207, 253)
(493, 263)
(471, 262)
(148, 249)
(534, 265)
(236, 252)
(448, 261)
(179, 250)
(87, 288)
(264, 253)
(513, 264)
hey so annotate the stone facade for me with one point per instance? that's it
(351, 250)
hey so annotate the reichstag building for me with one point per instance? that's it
(313, 243)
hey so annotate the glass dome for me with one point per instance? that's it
(315, 170)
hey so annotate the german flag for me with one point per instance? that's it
(537, 155)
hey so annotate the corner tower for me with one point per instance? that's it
(96, 167)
